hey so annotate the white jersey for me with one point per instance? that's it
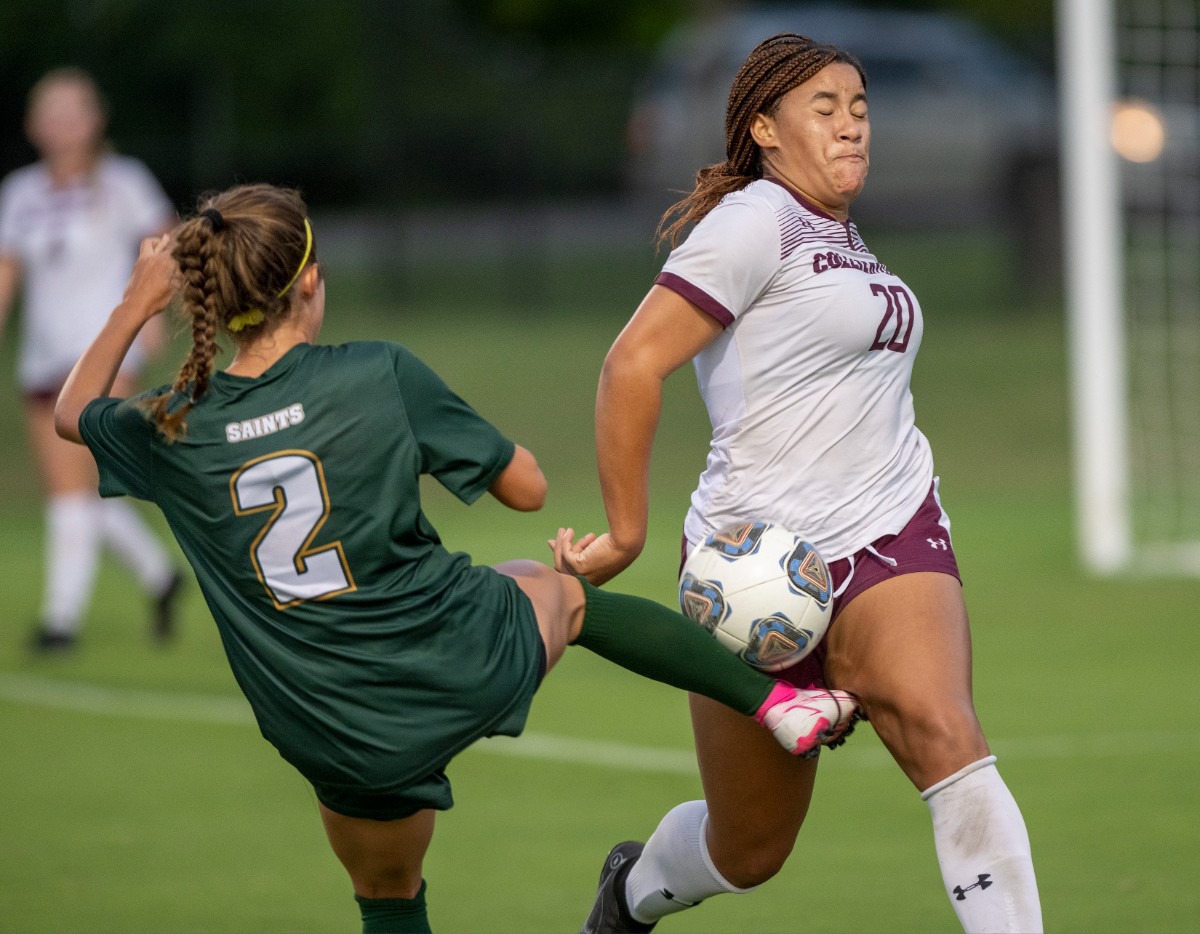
(807, 388)
(76, 246)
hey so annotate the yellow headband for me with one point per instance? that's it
(303, 259)
(246, 319)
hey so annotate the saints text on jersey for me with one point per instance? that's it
(265, 424)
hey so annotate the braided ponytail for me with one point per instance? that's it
(238, 257)
(774, 67)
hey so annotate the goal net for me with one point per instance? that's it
(1130, 92)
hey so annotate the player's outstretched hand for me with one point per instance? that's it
(595, 557)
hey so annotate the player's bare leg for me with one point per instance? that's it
(904, 648)
(757, 795)
(558, 603)
(62, 466)
(384, 860)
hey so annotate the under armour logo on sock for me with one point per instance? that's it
(960, 893)
(670, 896)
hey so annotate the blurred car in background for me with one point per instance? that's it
(963, 131)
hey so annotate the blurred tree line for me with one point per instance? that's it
(373, 102)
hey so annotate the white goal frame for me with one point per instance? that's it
(1098, 307)
(1092, 232)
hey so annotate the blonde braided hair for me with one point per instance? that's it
(238, 257)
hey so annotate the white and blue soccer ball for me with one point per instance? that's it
(763, 591)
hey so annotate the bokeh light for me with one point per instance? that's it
(1138, 130)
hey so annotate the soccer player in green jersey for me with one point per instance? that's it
(369, 654)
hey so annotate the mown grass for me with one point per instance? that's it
(129, 815)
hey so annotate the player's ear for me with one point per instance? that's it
(762, 131)
(309, 280)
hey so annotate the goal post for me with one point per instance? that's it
(1129, 81)
(1094, 283)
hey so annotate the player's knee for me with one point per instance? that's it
(929, 739)
(752, 862)
(755, 869)
(397, 881)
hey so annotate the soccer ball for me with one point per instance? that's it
(763, 591)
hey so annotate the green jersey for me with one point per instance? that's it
(369, 653)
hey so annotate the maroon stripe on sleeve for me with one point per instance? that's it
(697, 297)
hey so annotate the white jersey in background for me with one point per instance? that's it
(807, 388)
(76, 246)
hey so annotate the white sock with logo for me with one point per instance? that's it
(72, 554)
(983, 849)
(675, 870)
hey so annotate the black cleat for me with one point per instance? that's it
(46, 642)
(162, 609)
(610, 914)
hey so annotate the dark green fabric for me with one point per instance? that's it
(661, 644)
(394, 915)
(369, 653)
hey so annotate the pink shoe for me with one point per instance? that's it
(804, 721)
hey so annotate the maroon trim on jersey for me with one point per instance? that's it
(804, 202)
(698, 297)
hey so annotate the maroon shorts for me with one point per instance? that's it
(922, 545)
(49, 391)
(45, 394)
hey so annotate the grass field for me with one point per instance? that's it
(138, 797)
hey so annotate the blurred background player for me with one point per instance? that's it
(70, 225)
(804, 345)
(370, 654)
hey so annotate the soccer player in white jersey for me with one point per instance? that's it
(70, 225)
(803, 344)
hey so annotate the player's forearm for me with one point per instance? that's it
(628, 404)
(93, 374)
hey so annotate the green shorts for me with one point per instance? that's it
(432, 791)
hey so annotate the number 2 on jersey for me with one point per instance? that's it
(291, 484)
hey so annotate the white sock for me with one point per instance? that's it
(983, 849)
(139, 549)
(675, 871)
(72, 553)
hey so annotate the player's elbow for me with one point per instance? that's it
(630, 372)
(522, 485)
(531, 499)
(66, 420)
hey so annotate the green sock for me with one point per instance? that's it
(659, 643)
(394, 915)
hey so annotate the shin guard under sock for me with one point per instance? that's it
(653, 641)
(983, 850)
